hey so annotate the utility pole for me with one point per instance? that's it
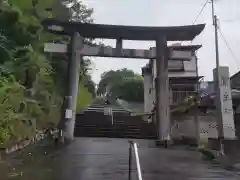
(217, 78)
(215, 24)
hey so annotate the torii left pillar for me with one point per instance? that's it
(72, 88)
(162, 91)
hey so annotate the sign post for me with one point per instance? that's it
(108, 112)
(225, 119)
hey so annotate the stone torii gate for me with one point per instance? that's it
(77, 49)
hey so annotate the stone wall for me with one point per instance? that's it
(40, 135)
(187, 126)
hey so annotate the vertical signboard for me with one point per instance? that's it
(225, 117)
(108, 112)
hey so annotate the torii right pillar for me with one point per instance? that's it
(162, 92)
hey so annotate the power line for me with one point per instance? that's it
(200, 13)
(229, 47)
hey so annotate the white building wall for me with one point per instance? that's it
(190, 70)
(182, 74)
(190, 67)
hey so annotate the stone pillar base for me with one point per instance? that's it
(163, 143)
(186, 141)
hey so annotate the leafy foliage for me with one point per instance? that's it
(123, 83)
(79, 11)
(31, 81)
(111, 78)
(131, 90)
(188, 104)
(84, 97)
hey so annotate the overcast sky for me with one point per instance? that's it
(171, 13)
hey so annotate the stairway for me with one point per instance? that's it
(133, 127)
(100, 108)
(93, 123)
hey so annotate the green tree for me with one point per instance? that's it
(79, 11)
(84, 97)
(31, 82)
(131, 90)
(122, 83)
(111, 78)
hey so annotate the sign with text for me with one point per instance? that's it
(107, 111)
(224, 103)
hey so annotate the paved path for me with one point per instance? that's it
(103, 159)
(107, 159)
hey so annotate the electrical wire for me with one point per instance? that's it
(198, 15)
(229, 47)
(201, 11)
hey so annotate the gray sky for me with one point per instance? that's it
(170, 13)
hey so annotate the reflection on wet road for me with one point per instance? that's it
(103, 159)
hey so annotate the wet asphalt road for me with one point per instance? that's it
(101, 159)
(107, 159)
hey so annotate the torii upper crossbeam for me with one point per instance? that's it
(174, 33)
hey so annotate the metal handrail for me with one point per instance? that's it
(139, 171)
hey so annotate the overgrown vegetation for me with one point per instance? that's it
(32, 83)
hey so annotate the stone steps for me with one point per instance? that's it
(92, 122)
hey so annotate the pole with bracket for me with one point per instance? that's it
(217, 78)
